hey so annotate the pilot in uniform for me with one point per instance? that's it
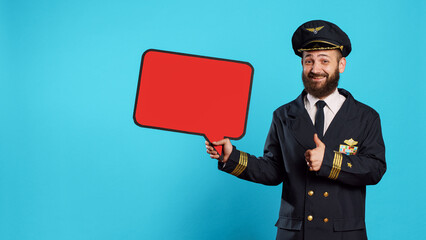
(328, 203)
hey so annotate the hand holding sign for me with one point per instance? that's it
(193, 94)
(227, 149)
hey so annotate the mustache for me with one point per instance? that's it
(315, 75)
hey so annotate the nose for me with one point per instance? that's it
(316, 68)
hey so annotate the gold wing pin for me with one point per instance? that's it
(314, 30)
(351, 142)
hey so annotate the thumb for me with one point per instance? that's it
(317, 141)
(220, 142)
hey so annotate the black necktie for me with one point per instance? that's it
(319, 118)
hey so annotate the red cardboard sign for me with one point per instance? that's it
(193, 94)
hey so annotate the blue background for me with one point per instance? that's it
(73, 165)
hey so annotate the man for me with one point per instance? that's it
(324, 146)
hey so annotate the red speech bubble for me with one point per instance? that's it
(193, 94)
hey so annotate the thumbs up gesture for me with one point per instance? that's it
(314, 157)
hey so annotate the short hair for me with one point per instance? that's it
(339, 55)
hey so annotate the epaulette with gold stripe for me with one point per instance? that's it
(337, 166)
(242, 164)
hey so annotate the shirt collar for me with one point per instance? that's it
(331, 100)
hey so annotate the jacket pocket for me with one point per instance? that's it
(348, 224)
(289, 223)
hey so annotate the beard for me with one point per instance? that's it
(318, 89)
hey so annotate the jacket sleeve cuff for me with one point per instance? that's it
(331, 164)
(236, 163)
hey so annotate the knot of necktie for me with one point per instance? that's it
(320, 104)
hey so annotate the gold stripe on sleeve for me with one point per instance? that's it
(337, 165)
(333, 168)
(242, 164)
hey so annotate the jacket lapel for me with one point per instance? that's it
(302, 128)
(300, 124)
(339, 121)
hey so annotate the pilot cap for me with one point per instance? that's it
(320, 35)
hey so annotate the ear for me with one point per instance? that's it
(342, 64)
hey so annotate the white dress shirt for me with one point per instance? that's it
(334, 102)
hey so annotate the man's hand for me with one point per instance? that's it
(314, 157)
(227, 149)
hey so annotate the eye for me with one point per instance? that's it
(308, 61)
(325, 61)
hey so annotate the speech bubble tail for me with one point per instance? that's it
(218, 148)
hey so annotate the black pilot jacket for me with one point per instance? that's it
(328, 204)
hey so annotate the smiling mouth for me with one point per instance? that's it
(317, 77)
